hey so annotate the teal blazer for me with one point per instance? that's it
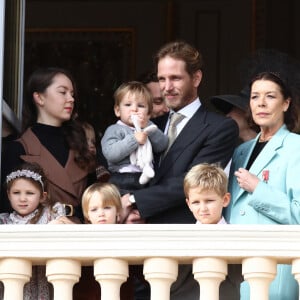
(276, 199)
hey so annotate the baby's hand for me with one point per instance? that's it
(141, 137)
(142, 119)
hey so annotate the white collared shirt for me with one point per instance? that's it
(188, 111)
(222, 221)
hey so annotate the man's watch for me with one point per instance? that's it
(131, 199)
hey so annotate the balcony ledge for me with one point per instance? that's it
(134, 243)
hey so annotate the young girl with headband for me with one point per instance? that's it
(28, 196)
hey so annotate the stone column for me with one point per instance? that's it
(110, 273)
(259, 272)
(14, 273)
(63, 274)
(296, 270)
(160, 273)
(209, 272)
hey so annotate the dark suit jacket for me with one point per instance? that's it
(207, 137)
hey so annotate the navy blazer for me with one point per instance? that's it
(207, 137)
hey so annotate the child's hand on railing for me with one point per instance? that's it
(61, 220)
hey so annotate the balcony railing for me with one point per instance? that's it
(160, 248)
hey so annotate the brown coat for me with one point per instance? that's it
(66, 184)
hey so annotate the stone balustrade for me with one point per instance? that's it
(110, 249)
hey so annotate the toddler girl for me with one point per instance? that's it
(27, 193)
(28, 197)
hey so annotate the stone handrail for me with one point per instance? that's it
(65, 248)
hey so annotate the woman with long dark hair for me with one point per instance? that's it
(52, 138)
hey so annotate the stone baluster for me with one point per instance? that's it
(63, 274)
(160, 273)
(14, 273)
(209, 272)
(110, 273)
(259, 272)
(296, 270)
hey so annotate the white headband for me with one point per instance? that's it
(25, 173)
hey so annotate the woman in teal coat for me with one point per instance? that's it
(264, 176)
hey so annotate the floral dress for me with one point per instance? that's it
(38, 288)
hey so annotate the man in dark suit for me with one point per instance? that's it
(202, 136)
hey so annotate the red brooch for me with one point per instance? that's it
(265, 175)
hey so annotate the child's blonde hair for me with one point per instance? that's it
(110, 195)
(138, 89)
(206, 177)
